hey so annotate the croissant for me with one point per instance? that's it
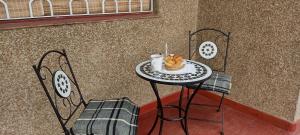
(173, 61)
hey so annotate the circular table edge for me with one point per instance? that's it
(209, 70)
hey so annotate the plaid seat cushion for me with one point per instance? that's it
(108, 117)
(219, 82)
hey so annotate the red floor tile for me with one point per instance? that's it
(236, 122)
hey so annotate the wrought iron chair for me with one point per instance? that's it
(109, 117)
(210, 46)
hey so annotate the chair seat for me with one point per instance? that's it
(115, 116)
(219, 82)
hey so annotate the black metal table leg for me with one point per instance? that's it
(180, 106)
(188, 94)
(187, 108)
(160, 113)
(154, 124)
(144, 70)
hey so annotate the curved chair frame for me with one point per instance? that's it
(227, 38)
(226, 35)
(54, 98)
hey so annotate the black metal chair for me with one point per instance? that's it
(210, 46)
(102, 117)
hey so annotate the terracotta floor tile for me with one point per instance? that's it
(236, 122)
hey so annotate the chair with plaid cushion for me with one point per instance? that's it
(102, 117)
(210, 46)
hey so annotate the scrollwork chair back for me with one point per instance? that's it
(57, 78)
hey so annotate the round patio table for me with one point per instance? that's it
(192, 73)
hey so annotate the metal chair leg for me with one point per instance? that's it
(222, 114)
(222, 120)
(187, 108)
(221, 102)
(154, 125)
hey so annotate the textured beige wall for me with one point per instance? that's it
(264, 57)
(103, 55)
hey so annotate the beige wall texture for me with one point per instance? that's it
(103, 55)
(264, 55)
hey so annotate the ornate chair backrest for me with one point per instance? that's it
(209, 46)
(56, 76)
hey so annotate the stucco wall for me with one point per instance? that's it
(103, 55)
(264, 55)
(263, 60)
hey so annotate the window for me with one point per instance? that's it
(25, 9)
(13, 10)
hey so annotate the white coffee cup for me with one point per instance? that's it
(156, 62)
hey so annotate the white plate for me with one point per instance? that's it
(188, 68)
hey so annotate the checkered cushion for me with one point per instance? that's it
(219, 82)
(108, 117)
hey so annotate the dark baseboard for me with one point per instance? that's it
(276, 121)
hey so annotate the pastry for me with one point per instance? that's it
(173, 61)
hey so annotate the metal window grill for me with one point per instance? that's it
(26, 9)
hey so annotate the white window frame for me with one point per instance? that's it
(52, 14)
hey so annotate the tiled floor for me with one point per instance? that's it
(236, 123)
